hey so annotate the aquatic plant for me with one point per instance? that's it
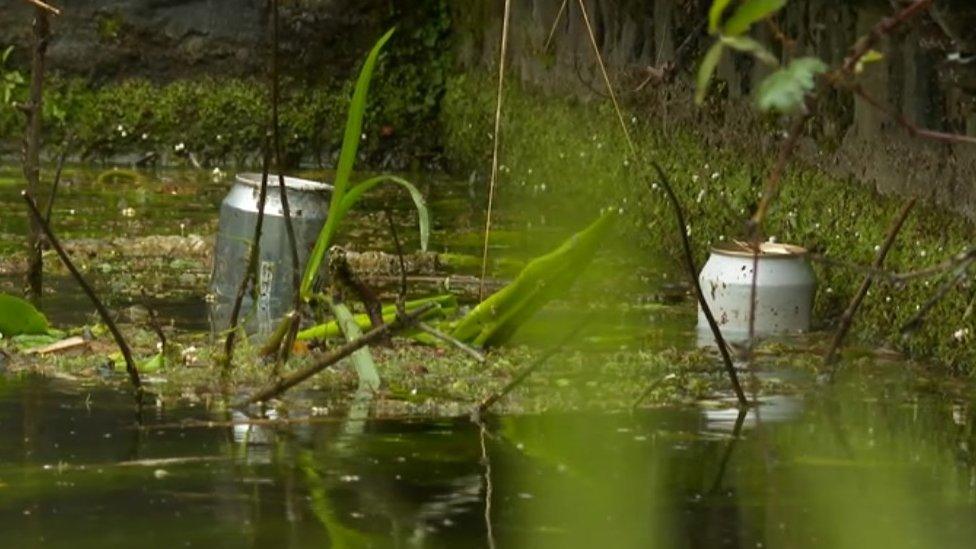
(18, 317)
(544, 278)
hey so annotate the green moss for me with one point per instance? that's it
(565, 155)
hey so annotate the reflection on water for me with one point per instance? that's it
(838, 470)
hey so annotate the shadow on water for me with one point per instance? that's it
(844, 470)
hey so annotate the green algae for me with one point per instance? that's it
(565, 156)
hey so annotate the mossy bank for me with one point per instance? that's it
(569, 155)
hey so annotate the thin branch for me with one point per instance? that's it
(130, 365)
(913, 129)
(606, 78)
(692, 272)
(491, 399)
(402, 294)
(32, 149)
(503, 51)
(55, 184)
(250, 272)
(447, 338)
(555, 23)
(880, 30)
(958, 275)
(335, 355)
(848, 317)
(153, 319)
(45, 6)
(296, 318)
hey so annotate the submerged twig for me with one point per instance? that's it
(692, 272)
(495, 138)
(335, 355)
(250, 272)
(491, 399)
(848, 317)
(130, 365)
(447, 338)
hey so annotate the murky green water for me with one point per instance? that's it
(836, 470)
(871, 463)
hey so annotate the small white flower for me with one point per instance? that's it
(960, 334)
(694, 178)
(180, 147)
(715, 175)
(145, 136)
(120, 128)
(123, 133)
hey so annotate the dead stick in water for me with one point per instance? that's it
(335, 355)
(693, 275)
(448, 338)
(130, 365)
(848, 318)
(45, 6)
(491, 399)
(252, 263)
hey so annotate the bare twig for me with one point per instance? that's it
(153, 319)
(44, 6)
(402, 294)
(848, 317)
(496, 138)
(447, 338)
(130, 365)
(958, 275)
(606, 78)
(555, 23)
(491, 399)
(55, 183)
(692, 272)
(32, 148)
(913, 129)
(337, 354)
(296, 318)
(250, 272)
(881, 29)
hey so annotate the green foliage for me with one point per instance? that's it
(445, 304)
(785, 89)
(10, 79)
(749, 13)
(362, 361)
(545, 278)
(18, 317)
(730, 34)
(344, 198)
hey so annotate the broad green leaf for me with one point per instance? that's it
(749, 13)
(872, 56)
(362, 360)
(357, 192)
(750, 46)
(543, 279)
(706, 69)
(785, 89)
(18, 317)
(715, 15)
(347, 158)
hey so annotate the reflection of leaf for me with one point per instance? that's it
(785, 89)
(750, 12)
(705, 71)
(20, 317)
(715, 14)
(872, 56)
(750, 46)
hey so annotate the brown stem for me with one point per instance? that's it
(130, 365)
(402, 295)
(848, 317)
(250, 273)
(343, 275)
(55, 184)
(882, 28)
(692, 271)
(491, 399)
(32, 150)
(913, 129)
(153, 319)
(42, 6)
(336, 355)
(296, 318)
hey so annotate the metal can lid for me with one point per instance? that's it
(292, 183)
(770, 250)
